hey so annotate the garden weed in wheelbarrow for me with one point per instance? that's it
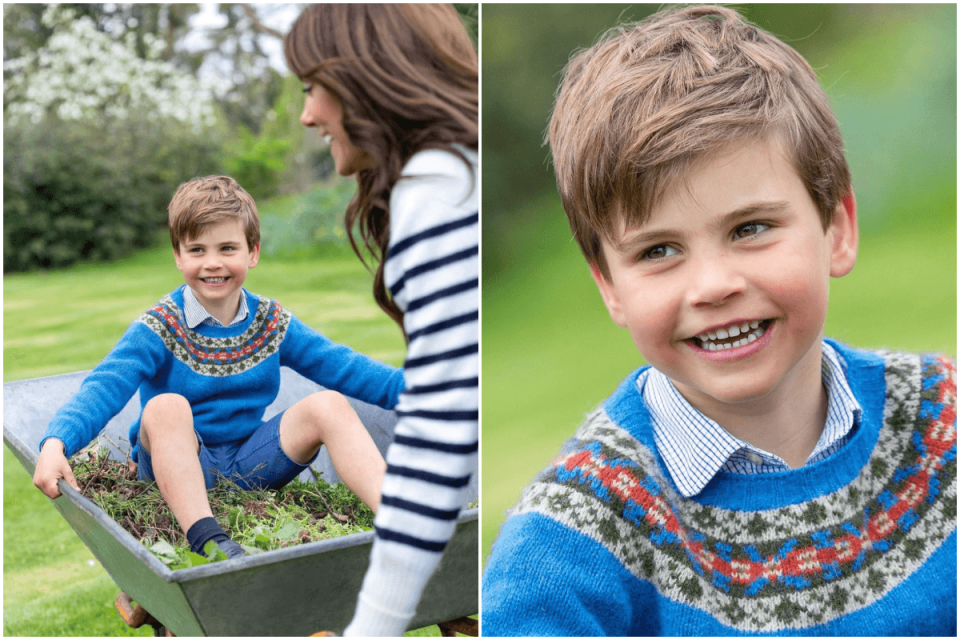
(259, 520)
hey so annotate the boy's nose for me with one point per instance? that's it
(714, 281)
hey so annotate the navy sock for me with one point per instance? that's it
(207, 529)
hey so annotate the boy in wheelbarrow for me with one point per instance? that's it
(206, 360)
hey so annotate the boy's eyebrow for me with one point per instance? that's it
(197, 243)
(763, 207)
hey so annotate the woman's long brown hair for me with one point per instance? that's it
(406, 76)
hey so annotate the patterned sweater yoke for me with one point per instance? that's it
(855, 544)
(219, 356)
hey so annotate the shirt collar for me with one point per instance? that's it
(195, 314)
(694, 448)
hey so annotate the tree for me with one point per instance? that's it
(81, 72)
(96, 140)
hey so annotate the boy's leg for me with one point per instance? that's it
(167, 435)
(166, 432)
(326, 418)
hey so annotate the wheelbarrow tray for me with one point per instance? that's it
(293, 591)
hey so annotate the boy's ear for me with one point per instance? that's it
(845, 236)
(176, 258)
(255, 255)
(609, 295)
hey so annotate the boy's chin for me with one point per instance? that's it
(731, 392)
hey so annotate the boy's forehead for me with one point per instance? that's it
(224, 230)
(754, 175)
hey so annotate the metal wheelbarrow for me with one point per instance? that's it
(294, 591)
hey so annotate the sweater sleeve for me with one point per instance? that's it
(339, 367)
(138, 356)
(544, 579)
(432, 271)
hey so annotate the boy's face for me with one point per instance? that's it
(215, 264)
(739, 242)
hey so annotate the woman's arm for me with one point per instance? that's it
(432, 271)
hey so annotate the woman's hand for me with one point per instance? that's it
(51, 466)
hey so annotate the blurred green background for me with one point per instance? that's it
(550, 351)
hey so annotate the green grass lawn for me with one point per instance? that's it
(63, 321)
(551, 353)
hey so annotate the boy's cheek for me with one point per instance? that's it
(652, 320)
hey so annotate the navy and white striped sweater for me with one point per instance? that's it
(432, 272)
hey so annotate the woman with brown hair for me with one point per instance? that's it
(394, 90)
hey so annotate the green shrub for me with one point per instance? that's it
(75, 191)
(296, 222)
(257, 162)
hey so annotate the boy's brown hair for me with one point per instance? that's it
(636, 109)
(203, 202)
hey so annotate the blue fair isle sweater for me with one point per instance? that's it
(862, 543)
(230, 375)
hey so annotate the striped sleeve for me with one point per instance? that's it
(432, 272)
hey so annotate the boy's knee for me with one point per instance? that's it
(165, 404)
(162, 415)
(324, 404)
(323, 410)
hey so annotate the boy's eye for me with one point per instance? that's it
(307, 88)
(750, 229)
(658, 252)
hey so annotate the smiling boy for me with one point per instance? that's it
(756, 477)
(206, 360)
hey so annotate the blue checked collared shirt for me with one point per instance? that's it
(195, 314)
(695, 448)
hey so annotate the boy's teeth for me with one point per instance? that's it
(749, 330)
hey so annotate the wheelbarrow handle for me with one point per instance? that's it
(135, 617)
(465, 625)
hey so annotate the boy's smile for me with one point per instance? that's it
(215, 265)
(724, 289)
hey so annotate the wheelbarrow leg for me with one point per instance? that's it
(465, 625)
(137, 616)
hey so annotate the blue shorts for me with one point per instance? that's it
(255, 463)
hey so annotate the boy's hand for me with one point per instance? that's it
(51, 466)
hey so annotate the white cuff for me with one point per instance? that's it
(391, 589)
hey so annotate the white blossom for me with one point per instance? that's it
(82, 73)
